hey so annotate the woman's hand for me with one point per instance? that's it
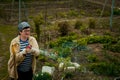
(28, 48)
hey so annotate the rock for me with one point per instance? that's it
(76, 65)
(49, 70)
(61, 66)
(69, 69)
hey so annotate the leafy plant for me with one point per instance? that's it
(66, 61)
(84, 29)
(82, 41)
(63, 52)
(104, 68)
(38, 20)
(92, 23)
(101, 39)
(78, 24)
(49, 64)
(63, 28)
(111, 58)
(92, 58)
(42, 76)
(112, 47)
(61, 14)
(60, 41)
(73, 13)
(42, 58)
(116, 11)
(68, 75)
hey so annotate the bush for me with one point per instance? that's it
(42, 76)
(84, 29)
(92, 23)
(61, 15)
(78, 24)
(92, 58)
(101, 39)
(82, 41)
(73, 13)
(64, 52)
(116, 11)
(62, 40)
(112, 47)
(107, 39)
(63, 28)
(104, 68)
(38, 20)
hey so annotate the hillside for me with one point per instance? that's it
(100, 56)
(94, 8)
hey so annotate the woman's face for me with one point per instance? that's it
(25, 33)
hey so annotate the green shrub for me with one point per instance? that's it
(82, 12)
(63, 52)
(82, 42)
(53, 44)
(93, 39)
(66, 61)
(49, 64)
(101, 39)
(38, 20)
(107, 39)
(98, 11)
(92, 58)
(112, 47)
(97, 39)
(92, 23)
(61, 14)
(42, 76)
(84, 29)
(62, 40)
(78, 24)
(111, 58)
(116, 11)
(73, 34)
(104, 68)
(73, 13)
(42, 58)
(63, 28)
